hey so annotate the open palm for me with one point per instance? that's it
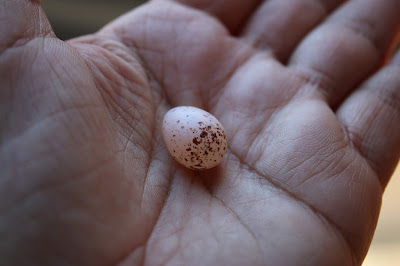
(86, 178)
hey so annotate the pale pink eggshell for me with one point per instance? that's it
(194, 137)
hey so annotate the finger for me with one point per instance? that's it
(21, 20)
(278, 26)
(348, 47)
(180, 47)
(40, 76)
(371, 118)
(231, 13)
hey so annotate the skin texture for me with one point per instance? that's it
(312, 117)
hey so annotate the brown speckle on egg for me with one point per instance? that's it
(203, 134)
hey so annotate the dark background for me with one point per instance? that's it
(71, 18)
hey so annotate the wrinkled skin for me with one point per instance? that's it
(313, 121)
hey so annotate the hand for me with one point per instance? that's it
(313, 127)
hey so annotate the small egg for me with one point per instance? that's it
(194, 137)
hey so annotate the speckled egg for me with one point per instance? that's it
(194, 137)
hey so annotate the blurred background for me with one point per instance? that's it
(77, 17)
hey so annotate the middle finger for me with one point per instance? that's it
(279, 25)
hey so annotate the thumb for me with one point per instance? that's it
(21, 21)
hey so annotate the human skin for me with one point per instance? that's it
(312, 117)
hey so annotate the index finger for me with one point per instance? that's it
(233, 14)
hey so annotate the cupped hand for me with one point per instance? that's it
(312, 117)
